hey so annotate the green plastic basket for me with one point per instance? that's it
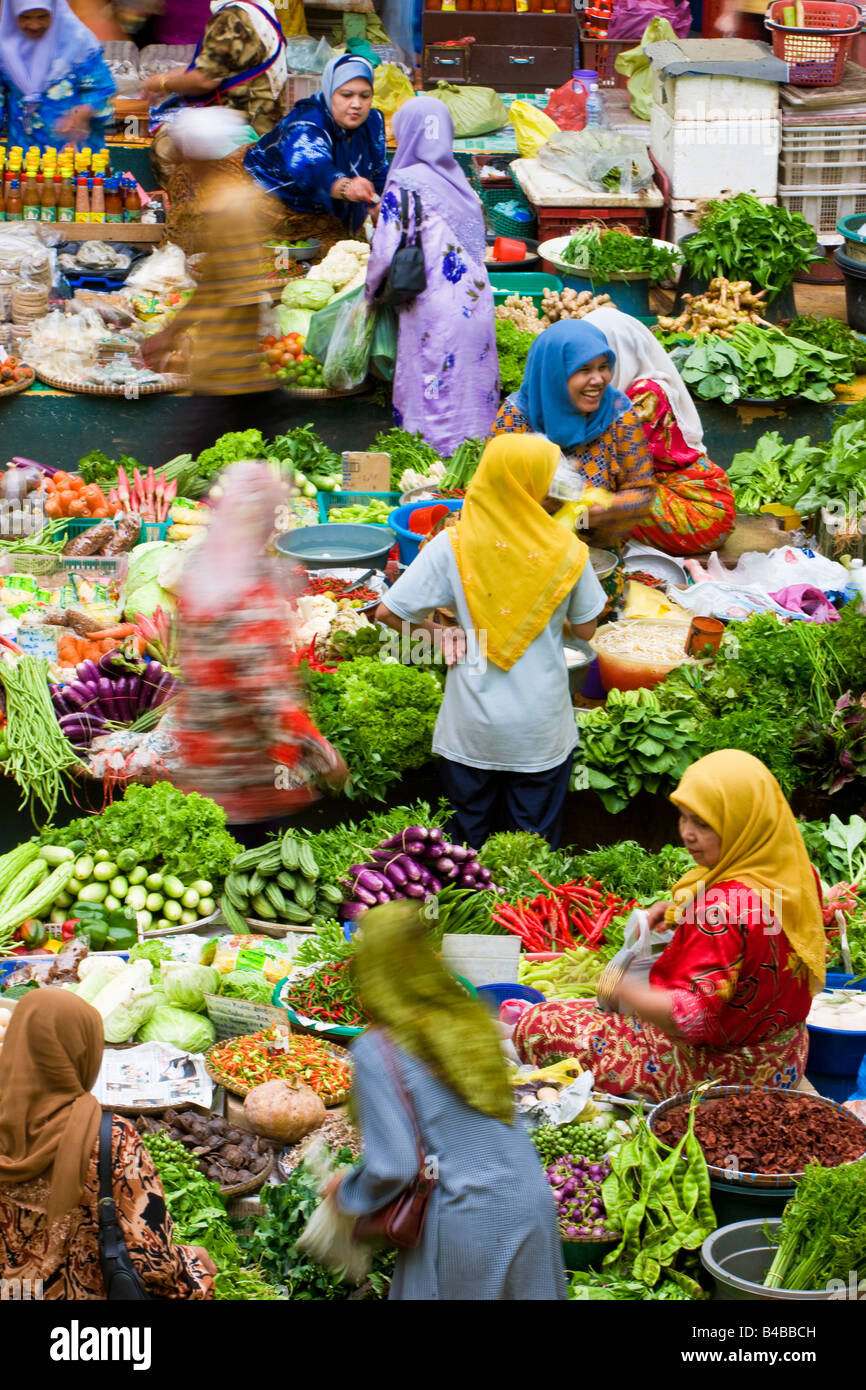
(500, 222)
(150, 530)
(529, 284)
(333, 501)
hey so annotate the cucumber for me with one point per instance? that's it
(206, 907)
(154, 902)
(203, 887)
(307, 861)
(233, 918)
(104, 871)
(250, 858)
(127, 860)
(137, 875)
(84, 868)
(191, 899)
(119, 886)
(55, 854)
(77, 846)
(240, 883)
(330, 893)
(93, 893)
(173, 910)
(275, 898)
(305, 894)
(288, 881)
(262, 908)
(271, 862)
(111, 904)
(257, 882)
(136, 897)
(289, 853)
(293, 913)
(172, 886)
(153, 882)
(239, 899)
(102, 856)
(187, 918)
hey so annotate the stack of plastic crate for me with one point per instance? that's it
(822, 168)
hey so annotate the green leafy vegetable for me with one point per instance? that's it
(759, 363)
(772, 471)
(589, 1286)
(190, 1032)
(513, 346)
(606, 255)
(96, 467)
(246, 984)
(407, 451)
(630, 871)
(822, 1237)
(742, 238)
(627, 749)
(231, 448)
(835, 337)
(842, 473)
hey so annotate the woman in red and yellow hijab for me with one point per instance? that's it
(729, 995)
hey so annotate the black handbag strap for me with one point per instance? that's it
(395, 1074)
(404, 219)
(107, 1210)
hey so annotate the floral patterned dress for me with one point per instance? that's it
(86, 83)
(446, 382)
(65, 1256)
(693, 507)
(741, 997)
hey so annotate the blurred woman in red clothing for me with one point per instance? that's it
(241, 733)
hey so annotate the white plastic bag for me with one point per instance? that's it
(348, 357)
(328, 1235)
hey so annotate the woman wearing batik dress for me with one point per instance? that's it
(728, 997)
(446, 380)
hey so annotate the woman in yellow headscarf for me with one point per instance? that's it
(728, 997)
(516, 580)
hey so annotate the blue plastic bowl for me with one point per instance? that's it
(832, 1052)
(409, 543)
(337, 545)
(495, 995)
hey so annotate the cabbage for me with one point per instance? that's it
(144, 591)
(94, 982)
(187, 985)
(184, 1030)
(307, 294)
(126, 1002)
(247, 984)
(293, 320)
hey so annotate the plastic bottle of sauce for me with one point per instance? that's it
(14, 204)
(97, 201)
(82, 200)
(66, 200)
(131, 203)
(113, 201)
(31, 199)
(50, 190)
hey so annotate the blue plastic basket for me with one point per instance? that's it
(408, 542)
(833, 1053)
(495, 995)
(333, 501)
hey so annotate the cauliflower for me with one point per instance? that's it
(344, 265)
(317, 613)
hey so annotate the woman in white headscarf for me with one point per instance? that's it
(326, 161)
(693, 507)
(240, 62)
(54, 83)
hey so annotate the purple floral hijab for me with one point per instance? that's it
(425, 164)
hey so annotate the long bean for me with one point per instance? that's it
(39, 753)
(40, 542)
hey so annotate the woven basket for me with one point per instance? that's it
(237, 1088)
(16, 386)
(315, 393)
(170, 382)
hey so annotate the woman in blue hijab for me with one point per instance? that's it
(326, 160)
(566, 395)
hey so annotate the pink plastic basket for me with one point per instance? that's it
(816, 56)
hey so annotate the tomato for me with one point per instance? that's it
(274, 355)
(286, 359)
(269, 341)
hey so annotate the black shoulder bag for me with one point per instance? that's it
(122, 1280)
(407, 277)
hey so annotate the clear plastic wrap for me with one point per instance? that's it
(599, 159)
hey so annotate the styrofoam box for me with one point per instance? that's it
(699, 98)
(704, 159)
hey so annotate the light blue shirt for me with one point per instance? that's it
(520, 720)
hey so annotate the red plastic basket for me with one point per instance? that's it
(553, 222)
(600, 54)
(816, 56)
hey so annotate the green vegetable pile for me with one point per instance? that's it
(660, 1199)
(185, 834)
(773, 471)
(230, 448)
(511, 855)
(625, 749)
(822, 1237)
(837, 848)
(272, 1242)
(609, 255)
(742, 238)
(372, 513)
(759, 363)
(96, 467)
(462, 466)
(630, 871)
(199, 1216)
(588, 1286)
(513, 346)
(407, 451)
(835, 337)
(380, 716)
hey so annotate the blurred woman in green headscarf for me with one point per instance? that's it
(491, 1230)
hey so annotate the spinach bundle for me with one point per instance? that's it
(745, 239)
(834, 336)
(607, 255)
(759, 363)
(773, 471)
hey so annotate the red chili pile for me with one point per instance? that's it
(767, 1131)
(333, 587)
(576, 913)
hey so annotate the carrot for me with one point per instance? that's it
(78, 507)
(69, 649)
(116, 633)
(53, 507)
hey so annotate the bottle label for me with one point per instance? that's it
(97, 216)
(14, 217)
(49, 215)
(114, 217)
(66, 214)
(31, 214)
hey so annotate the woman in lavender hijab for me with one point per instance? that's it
(446, 382)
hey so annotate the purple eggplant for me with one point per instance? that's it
(151, 678)
(77, 697)
(416, 850)
(164, 690)
(415, 834)
(88, 672)
(107, 701)
(369, 879)
(396, 874)
(382, 856)
(483, 875)
(384, 898)
(458, 853)
(363, 896)
(435, 835)
(414, 890)
(445, 868)
(435, 885)
(468, 881)
(82, 729)
(424, 875)
(410, 868)
(112, 664)
(473, 867)
(350, 912)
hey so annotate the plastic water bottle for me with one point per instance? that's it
(594, 106)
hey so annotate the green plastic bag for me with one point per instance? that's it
(636, 66)
(383, 347)
(474, 110)
(322, 324)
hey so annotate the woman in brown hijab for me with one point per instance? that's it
(49, 1125)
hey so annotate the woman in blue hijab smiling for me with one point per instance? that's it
(326, 160)
(567, 396)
